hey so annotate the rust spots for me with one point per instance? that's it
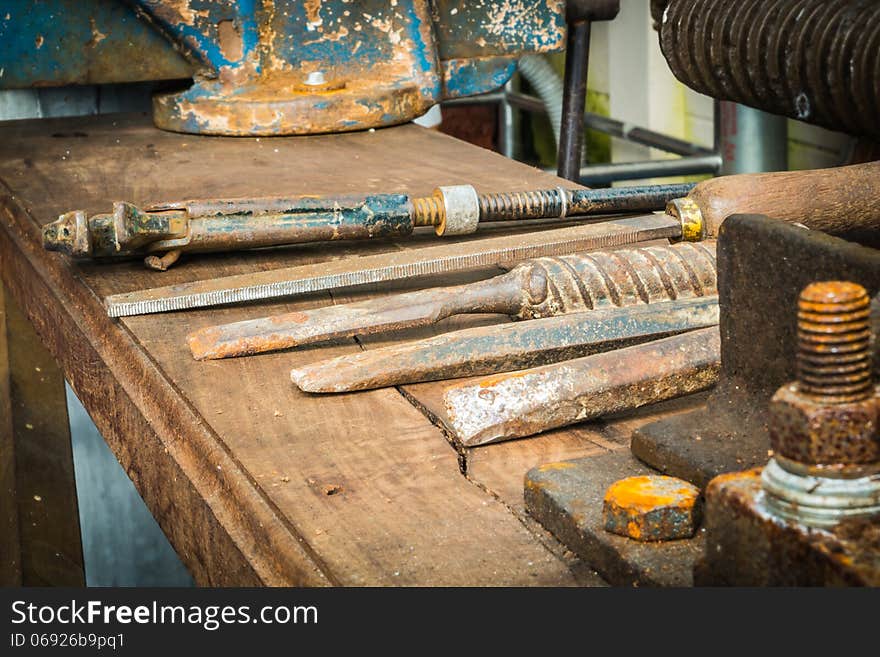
(814, 432)
(201, 342)
(296, 316)
(162, 263)
(230, 41)
(492, 381)
(834, 355)
(313, 14)
(560, 465)
(97, 35)
(829, 416)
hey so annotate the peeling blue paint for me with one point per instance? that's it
(412, 53)
(469, 77)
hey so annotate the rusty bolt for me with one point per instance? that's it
(652, 508)
(829, 415)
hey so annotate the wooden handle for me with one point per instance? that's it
(831, 200)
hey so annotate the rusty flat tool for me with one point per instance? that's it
(506, 347)
(385, 267)
(832, 200)
(232, 224)
(530, 401)
(542, 287)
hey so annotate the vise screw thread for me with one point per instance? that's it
(577, 282)
(508, 206)
(502, 206)
(834, 342)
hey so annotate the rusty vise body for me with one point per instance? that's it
(275, 67)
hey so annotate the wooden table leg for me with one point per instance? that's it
(42, 545)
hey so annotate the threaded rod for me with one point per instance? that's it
(834, 352)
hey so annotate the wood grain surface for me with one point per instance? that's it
(40, 485)
(253, 481)
(10, 543)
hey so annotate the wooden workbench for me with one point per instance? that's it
(252, 481)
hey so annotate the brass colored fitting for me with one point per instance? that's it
(452, 210)
(687, 211)
(428, 210)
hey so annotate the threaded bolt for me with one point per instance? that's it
(834, 342)
(508, 206)
(502, 206)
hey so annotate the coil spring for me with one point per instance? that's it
(813, 60)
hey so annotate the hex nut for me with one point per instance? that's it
(652, 508)
(818, 433)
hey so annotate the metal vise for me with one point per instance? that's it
(280, 67)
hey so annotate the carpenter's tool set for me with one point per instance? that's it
(621, 297)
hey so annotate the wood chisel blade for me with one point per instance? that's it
(393, 266)
(505, 347)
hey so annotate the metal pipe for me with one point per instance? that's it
(604, 124)
(599, 174)
(752, 141)
(571, 138)
(507, 123)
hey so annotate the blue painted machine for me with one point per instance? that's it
(279, 67)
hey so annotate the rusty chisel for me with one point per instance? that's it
(523, 403)
(832, 200)
(542, 287)
(403, 264)
(506, 347)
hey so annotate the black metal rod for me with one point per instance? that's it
(571, 137)
(606, 125)
(600, 174)
(643, 136)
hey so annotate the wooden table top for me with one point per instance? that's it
(253, 481)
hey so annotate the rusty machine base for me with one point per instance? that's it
(747, 546)
(762, 266)
(566, 497)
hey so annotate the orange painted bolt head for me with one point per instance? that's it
(652, 508)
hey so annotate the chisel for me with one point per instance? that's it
(505, 347)
(384, 267)
(542, 287)
(832, 200)
(526, 402)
